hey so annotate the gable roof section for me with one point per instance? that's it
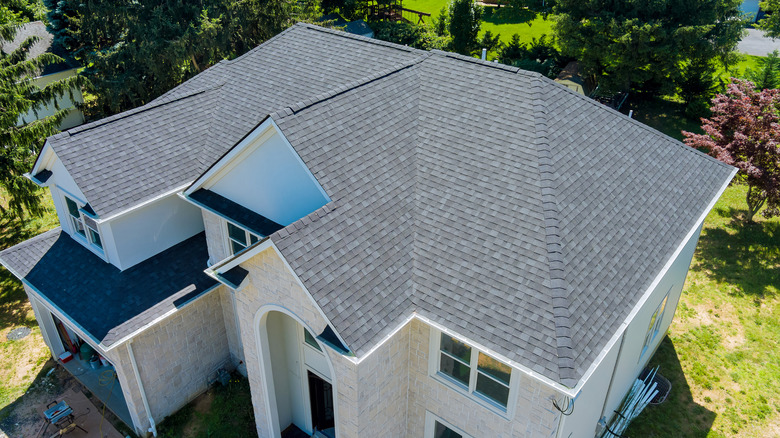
(473, 197)
(127, 159)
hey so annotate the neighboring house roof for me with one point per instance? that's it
(107, 303)
(487, 198)
(45, 44)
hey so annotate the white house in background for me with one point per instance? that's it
(386, 241)
(50, 73)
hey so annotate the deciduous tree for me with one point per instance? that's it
(744, 131)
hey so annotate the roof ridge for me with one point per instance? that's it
(302, 105)
(348, 35)
(131, 112)
(558, 286)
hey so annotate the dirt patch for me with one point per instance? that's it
(201, 405)
(725, 319)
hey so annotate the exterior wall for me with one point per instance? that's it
(231, 328)
(285, 189)
(149, 230)
(631, 361)
(178, 358)
(534, 415)
(75, 116)
(215, 237)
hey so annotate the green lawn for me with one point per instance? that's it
(722, 354)
(504, 21)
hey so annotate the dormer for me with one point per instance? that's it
(124, 239)
(260, 186)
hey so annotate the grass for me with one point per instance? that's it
(222, 412)
(22, 360)
(505, 21)
(722, 354)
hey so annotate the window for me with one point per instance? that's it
(83, 225)
(473, 370)
(655, 325)
(435, 427)
(310, 340)
(239, 238)
(75, 216)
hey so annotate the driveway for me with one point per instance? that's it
(755, 43)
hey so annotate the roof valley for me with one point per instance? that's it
(558, 285)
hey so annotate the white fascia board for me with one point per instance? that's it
(649, 291)
(44, 158)
(300, 161)
(144, 204)
(158, 320)
(231, 159)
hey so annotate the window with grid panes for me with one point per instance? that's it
(477, 372)
(239, 238)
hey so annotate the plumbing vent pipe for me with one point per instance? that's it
(484, 54)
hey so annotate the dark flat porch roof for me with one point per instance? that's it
(108, 303)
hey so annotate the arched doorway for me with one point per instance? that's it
(298, 378)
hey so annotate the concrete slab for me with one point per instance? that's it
(755, 43)
(103, 384)
(86, 415)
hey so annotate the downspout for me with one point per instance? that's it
(153, 428)
(612, 378)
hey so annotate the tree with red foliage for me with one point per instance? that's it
(744, 131)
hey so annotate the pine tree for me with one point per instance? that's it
(20, 140)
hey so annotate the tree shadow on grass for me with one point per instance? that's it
(679, 415)
(745, 255)
(509, 15)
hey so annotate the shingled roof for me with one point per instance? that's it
(45, 44)
(492, 200)
(107, 303)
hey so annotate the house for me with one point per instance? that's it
(386, 241)
(50, 73)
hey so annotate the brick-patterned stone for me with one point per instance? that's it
(213, 225)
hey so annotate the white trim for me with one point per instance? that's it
(266, 368)
(649, 291)
(143, 204)
(300, 161)
(43, 159)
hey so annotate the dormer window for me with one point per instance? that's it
(239, 238)
(83, 225)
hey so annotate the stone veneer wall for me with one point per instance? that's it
(534, 415)
(215, 236)
(178, 358)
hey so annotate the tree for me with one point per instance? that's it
(768, 73)
(419, 36)
(21, 140)
(696, 85)
(646, 43)
(771, 21)
(540, 55)
(464, 24)
(744, 131)
(489, 41)
(136, 51)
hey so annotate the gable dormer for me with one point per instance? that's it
(260, 186)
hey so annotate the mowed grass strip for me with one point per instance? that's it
(23, 359)
(722, 354)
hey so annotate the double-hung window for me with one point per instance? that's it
(239, 238)
(83, 225)
(655, 325)
(473, 370)
(436, 427)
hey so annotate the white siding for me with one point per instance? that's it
(151, 229)
(74, 118)
(273, 182)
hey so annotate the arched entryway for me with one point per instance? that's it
(298, 378)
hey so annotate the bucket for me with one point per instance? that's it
(94, 362)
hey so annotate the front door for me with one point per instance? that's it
(321, 398)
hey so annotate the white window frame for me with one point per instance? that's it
(434, 358)
(430, 425)
(75, 222)
(656, 320)
(247, 235)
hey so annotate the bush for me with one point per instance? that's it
(418, 36)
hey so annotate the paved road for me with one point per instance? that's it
(755, 43)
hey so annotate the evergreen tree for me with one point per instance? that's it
(21, 140)
(643, 42)
(767, 76)
(464, 24)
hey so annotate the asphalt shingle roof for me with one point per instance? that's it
(106, 302)
(45, 44)
(506, 207)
